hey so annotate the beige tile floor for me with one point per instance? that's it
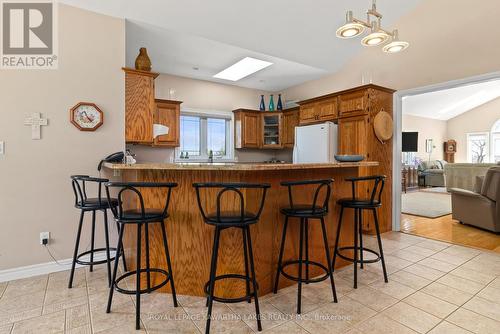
(434, 287)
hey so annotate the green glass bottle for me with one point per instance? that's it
(271, 103)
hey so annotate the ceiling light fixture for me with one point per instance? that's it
(350, 28)
(378, 36)
(243, 68)
(395, 45)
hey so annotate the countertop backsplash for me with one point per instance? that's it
(145, 154)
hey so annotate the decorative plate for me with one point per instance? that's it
(86, 116)
(349, 158)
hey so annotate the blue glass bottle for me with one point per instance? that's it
(279, 106)
(262, 106)
(271, 103)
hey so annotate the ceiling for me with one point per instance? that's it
(448, 103)
(298, 37)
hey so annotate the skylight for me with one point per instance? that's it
(243, 68)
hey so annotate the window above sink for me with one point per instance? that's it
(202, 132)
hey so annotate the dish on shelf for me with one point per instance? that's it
(349, 158)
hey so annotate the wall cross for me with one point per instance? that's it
(36, 122)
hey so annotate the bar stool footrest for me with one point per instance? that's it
(93, 263)
(231, 300)
(304, 280)
(142, 291)
(358, 260)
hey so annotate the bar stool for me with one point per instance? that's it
(304, 213)
(360, 204)
(222, 220)
(85, 204)
(140, 217)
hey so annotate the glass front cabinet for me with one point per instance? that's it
(271, 130)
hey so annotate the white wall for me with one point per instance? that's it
(205, 95)
(427, 129)
(479, 119)
(35, 188)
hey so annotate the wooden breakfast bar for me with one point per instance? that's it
(190, 239)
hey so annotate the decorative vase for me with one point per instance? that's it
(262, 106)
(271, 103)
(279, 106)
(142, 62)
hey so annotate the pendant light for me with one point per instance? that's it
(350, 29)
(395, 45)
(354, 27)
(376, 37)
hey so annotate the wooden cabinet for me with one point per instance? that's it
(321, 110)
(247, 129)
(353, 135)
(168, 113)
(308, 114)
(142, 111)
(271, 129)
(290, 121)
(327, 110)
(265, 130)
(356, 102)
(139, 106)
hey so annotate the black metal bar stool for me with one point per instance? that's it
(360, 204)
(226, 219)
(141, 217)
(85, 204)
(305, 212)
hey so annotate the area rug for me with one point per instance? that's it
(426, 204)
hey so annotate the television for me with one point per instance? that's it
(410, 141)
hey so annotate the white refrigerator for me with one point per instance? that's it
(315, 143)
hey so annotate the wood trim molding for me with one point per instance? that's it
(167, 101)
(350, 90)
(154, 75)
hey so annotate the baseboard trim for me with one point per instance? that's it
(41, 269)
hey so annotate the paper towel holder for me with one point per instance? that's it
(159, 130)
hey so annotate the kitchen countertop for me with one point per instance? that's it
(236, 166)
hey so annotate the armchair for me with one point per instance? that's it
(480, 209)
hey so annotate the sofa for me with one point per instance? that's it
(463, 175)
(432, 172)
(480, 208)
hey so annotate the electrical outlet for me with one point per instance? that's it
(44, 238)
(2, 148)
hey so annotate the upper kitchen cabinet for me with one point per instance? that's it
(265, 129)
(142, 111)
(247, 128)
(289, 121)
(168, 113)
(271, 129)
(347, 103)
(354, 103)
(318, 110)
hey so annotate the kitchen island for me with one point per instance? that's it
(190, 239)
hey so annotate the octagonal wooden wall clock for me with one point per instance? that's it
(86, 116)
